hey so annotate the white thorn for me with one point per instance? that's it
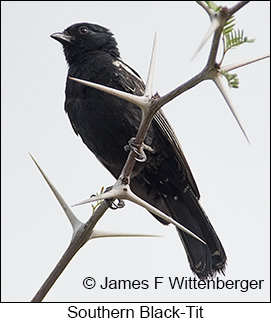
(135, 199)
(149, 83)
(108, 234)
(70, 215)
(217, 80)
(138, 100)
(215, 22)
(241, 64)
(106, 195)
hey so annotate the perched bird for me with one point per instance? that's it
(107, 123)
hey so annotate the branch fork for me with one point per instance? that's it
(213, 72)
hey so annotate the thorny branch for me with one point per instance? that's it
(149, 104)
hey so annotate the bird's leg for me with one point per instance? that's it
(111, 203)
(138, 149)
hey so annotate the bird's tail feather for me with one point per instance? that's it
(205, 260)
(184, 207)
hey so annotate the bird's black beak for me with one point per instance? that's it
(62, 38)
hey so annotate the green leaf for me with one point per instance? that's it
(228, 29)
(232, 79)
(229, 25)
(235, 38)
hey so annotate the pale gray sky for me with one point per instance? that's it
(232, 176)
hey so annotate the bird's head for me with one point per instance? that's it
(83, 38)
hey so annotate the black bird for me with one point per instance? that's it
(106, 124)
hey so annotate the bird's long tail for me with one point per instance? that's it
(205, 260)
(176, 198)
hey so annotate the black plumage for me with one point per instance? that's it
(106, 124)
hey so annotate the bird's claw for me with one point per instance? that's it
(111, 203)
(132, 146)
(142, 157)
(114, 206)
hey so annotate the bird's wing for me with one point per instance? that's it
(131, 82)
(128, 79)
(169, 135)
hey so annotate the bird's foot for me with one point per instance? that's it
(111, 203)
(139, 150)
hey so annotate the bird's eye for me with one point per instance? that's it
(83, 30)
